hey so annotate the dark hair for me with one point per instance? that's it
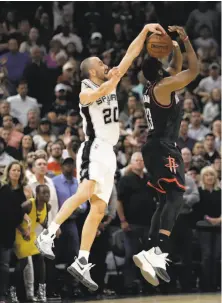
(22, 82)
(39, 187)
(209, 135)
(32, 149)
(153, 70)
(185, 120)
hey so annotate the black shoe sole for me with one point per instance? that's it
(81, 279)
(50, 257)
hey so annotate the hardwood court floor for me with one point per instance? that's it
(214, 298)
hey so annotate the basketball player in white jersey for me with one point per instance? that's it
(96, 160)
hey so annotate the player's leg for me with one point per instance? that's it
(140, 259)
(80, 269)
(155, 222)
(170, 212)
(157, 255)
(45, 240)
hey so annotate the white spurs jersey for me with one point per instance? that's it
(100, 118)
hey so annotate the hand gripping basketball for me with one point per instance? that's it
(156, 28)
(179, 29)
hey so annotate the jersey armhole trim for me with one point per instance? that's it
(85, 105)
(155, 100)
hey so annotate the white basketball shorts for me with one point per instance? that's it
(96, 161)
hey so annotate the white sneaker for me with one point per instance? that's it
(146, 268)
(80, 272)
(44, 243)
(158, 261)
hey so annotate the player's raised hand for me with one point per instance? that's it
(175, 43)
(156, 28)
(179, 29)
(114, 73)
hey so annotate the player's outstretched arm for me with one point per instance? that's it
(176, 63)
(88, 95)
(182, 79)
(137, 45)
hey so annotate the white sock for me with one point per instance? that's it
(52, 229)
(85, 254)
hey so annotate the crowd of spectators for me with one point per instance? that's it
(40, 126)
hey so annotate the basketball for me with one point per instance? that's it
(159, 46)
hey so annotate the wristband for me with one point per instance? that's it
(185, 39)
(123, 220)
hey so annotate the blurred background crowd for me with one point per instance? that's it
(41, 47)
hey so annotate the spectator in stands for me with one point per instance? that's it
(200, 16)
(66, 186)
(10, 23)
(210, 151)
(187, 158)
(73, 120)
(11, 151)
(135, 207)
(198, 149)
(216, 128)
(29, 165)
(40, 170)
(48, 148)
(44, 134)
(55, 49)
(217, 166)
(209, 83)
(37, 76)
(45, 29)
(11, 216)
(213, 107)
(54, 162)
(209, 210)
(37, 210)
(15, 137)
(24, 28)
(26, 146)
(130, 108)
(183, 227)
(32, 123)
(4, 92)
(197, 130)
(5, 158)
(60, 105)
(5, 110)
(205, 40)
(66, 37)
(184, 140)
(188, 107)
(33, 40)
(194, 173)
(15, 64)
(3, 40)
(21, 104)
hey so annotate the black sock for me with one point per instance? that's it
(163, 242)
(151, 242)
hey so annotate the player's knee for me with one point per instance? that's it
(98, 207)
